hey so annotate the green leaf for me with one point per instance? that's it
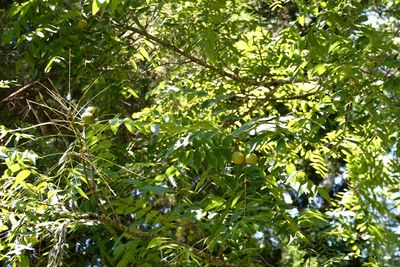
(290, 168)
(319, 69)
(20, 178)
(95, 7)
(130, 125)
(144, 53)
(301, 20)
(49, 65)
(15, 9)
(157, 241)
(80, 191)
(114, 125)
(114, 5)
(15, 167)
(24, 261)
(209, 47)
(235, 200)
(324, 194)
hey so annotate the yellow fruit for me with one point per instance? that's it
(82, 24)
(251, 158)
(87, 118)
(237, 158)
(91, 109)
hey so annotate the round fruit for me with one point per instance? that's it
(82, 24)
(251, 158)
(87, 118)
(91, 109)
(238, 158)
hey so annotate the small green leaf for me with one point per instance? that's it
(290, 168)
(80, 191)
(319, 69)
(15, 167)
(129, 126)
(21, 176)
(50, 64)
(113, 5)
(144, 53)
(324, 194)
(15, 9)
(235, 200)
(209, 47)
(301, 20)
(95, 7)
(157, 241)
(114, 125)
(24, 261)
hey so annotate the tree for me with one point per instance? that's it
(310, 87)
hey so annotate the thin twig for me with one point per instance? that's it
(23, 88)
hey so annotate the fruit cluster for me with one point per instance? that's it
(239, 158)
(89, 115)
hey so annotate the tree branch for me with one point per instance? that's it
(116, 225)
(23, 88)
(268, 97)
(204, 64)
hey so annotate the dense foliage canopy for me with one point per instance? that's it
(310, 88)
